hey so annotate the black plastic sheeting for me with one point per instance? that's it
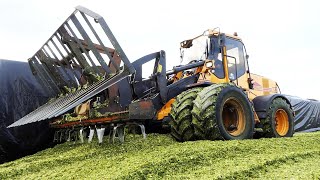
(307, 114)
(20, 94)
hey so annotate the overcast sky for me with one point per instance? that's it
(281, 37)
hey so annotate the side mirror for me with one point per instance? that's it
(186, 43)
(247, 56)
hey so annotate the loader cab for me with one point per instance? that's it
(235, 58)
(225, 56)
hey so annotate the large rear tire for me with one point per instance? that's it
(181, 118)
(223, 111)
(279, 121)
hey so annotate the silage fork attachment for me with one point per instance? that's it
(81, 59)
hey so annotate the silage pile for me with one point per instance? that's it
(159, 156)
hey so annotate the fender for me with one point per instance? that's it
(200, 84)
(262, 103)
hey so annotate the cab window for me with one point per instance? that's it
(216, 55)
(235, 58)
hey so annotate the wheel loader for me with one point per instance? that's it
(96, 89)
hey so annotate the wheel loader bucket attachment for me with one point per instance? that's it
(81, 59)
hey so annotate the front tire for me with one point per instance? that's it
(279, 121)
(181, 118)
(223, 111)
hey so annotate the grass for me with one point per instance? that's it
(161, 157)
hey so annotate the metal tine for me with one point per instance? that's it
(62, 135)
(90, 43)
(45, 110)
(75, 136)
(55, 108)
(66, 49)
(75, 98)
(35, 113)
(56, 60)
(51, 111)
(60, 132)
(67, 100)
(83, 49)
(84, 95)
(143, 131)
(82, 135)
(39, 76)
(67, 63)
(117, 132)
(99, 40)
(69, 131)
(120, 133)
(40, 112)
(66, 135)
(91, 134)
(56, 136)
(112, 134)
(95, 88)
(49, 78)
(100, 134)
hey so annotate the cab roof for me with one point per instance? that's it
(216, 33)
(209, 32)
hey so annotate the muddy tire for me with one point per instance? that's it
(222, 111)
(181, 118)
(279, 121)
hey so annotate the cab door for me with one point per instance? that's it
(236, 62)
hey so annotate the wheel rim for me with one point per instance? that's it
(233, 117)
(282, 122)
